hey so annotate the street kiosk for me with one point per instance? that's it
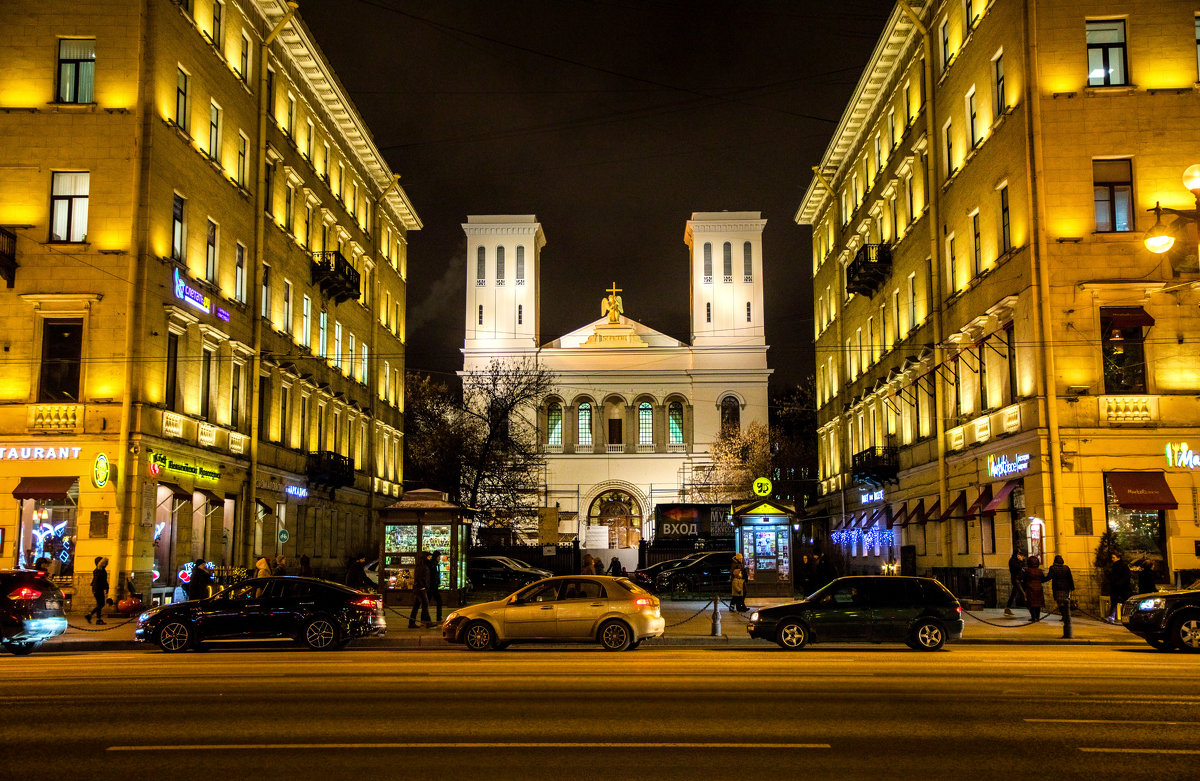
(423, 520)
(763, 535)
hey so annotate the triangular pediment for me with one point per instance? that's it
(763, 507)
(647, 334)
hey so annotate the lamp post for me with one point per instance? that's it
(1161, 237)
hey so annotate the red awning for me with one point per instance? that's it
(959, 504)
(43, 487)
(1127, 317)
(1002, 495)
(1142, 490)
(836, 524)
(897, 518)
(917, 514)
(979, 506)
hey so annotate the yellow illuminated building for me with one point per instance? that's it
(1001, 363)
(204, 260)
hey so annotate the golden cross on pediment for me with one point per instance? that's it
(614, 289)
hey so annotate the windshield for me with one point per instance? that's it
(519, 563)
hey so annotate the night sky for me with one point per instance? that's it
(612, 121)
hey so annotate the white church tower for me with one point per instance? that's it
(503, 252)
(726, 278)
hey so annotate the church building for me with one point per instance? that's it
(633, 414)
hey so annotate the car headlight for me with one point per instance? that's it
(144, 617)
(754, 617)
(450, 618)
(1154, 603)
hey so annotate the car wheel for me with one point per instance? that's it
(615, 635)
(480, 636)
(792, 635)
(1185, 632)
(1158, 644)
(928, 636)
(21, 649)
(320, 634)
(175, 636)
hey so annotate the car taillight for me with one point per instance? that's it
(642, 602)
(24, 592)
(959, 609)
(370, 602)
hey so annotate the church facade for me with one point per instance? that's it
(631, 420)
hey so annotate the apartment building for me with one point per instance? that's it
(1003, 365)
(204, 255)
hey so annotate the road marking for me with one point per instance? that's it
(1188, 751)
(510, 745)
(1109, 721)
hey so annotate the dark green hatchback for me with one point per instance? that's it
(919, 612)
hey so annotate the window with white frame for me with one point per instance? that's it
(584, 427)
(178, 229)
(1107, 65)
(182, 82)
(999, 97)
(645, 424)
(239, 274)
(76, 70)
(69, 206)
(974, 136)
(210, 253)
(306, 321)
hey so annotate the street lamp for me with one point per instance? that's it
(1161, 237)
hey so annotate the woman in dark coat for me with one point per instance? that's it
(1035, 598)
(1119, 587)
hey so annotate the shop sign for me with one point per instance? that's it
(297, 491)
(161, 461)
(33, 453)
(101, 470)
(871, 497)
(1002, 466)
(762, 487)
(275, 484)
(1180, 455)
(197, 298)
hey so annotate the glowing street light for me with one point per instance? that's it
(1161, 237)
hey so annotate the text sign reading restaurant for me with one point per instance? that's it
(1002, 466)
(36, 453)
(1180, 455)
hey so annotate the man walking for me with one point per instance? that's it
(1119, 586)
(435, 581)
(1016, 576)
(201, 579)
(1061, 586)
(99, 590)
(420, 592)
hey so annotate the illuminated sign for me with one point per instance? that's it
(101, 470)
(222, 313)
(298, 491)
(38, 453)
(872, 497)
(186, 292)
(160, 461)
(1180, 455)
(1001, 466)
(762, 487)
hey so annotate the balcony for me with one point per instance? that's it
(335, 276)
(330, 470)
(869, 270)
(8, 256)
(875, 465)
(60, 418)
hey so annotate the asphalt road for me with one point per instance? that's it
(664, 713)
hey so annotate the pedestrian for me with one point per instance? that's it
(586, 566)
(262, 568)
(435, 582)
(356, 574)
(306, 570)
(1061, 586)
(1035, 598)
(737, 584)
(420, 592)
(42, 566)
(614, 567)
(280, 567)
(1119, 587)
(99, 590)
(199, 581)
(1145, 580)
(1016, 574)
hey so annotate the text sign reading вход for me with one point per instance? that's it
(1002, 466)
(1180, 455)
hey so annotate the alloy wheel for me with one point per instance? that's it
(1187, 633)
(320, 634)
(174, 637)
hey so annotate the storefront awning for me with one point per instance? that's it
(43, 487)
(264, 507)
(897, 518)
(959, 505)
(1142, 490)
(211, 496)
(874, 518)
(979, 506)
(1127, 317)
(178, 491)
(917, 514)
(1001, 496)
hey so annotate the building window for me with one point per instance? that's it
(171, 384)
(1106, 53)
(269, 189)
(1001, 100)
(480, 315)
(731, 413)
(287, 305)
(1112, 182)
(727, 262)
(908, 199)
(520, 314)
(554, 424)
(309, 138)
(265, 302)
(948, 138)
(1122, 349)
(970, 16)
(945, 34)
(912, 301)
(707, 312)
(973, 120)
(878, 154)
(337, 344)
(1011, 359)
(62, 351)
(76, 70)
(210, 253)
(585, 424)
(290, 119)
(747, 262)
(707, 263)
(1198, 48)
(306, 321)
(323, 334)
(480, 267)
(69, 206)
(181, 99)
(239, 276)
(520, 266)
(264, 408)
(235, 398)
(364, 353)
(1005, 225)
(214, 131)
(178, 232)
(350, 357)
(289, 209)
(206, 370)
(500, 275)
(244, 59)
(981, 356)
(976, 247)
(243, 155)
(951, 264)
(748, 318)
(675, 423)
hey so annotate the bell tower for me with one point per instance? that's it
(503, 260)
(726, 275)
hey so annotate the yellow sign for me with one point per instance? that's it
(101, 470)
(762, 487)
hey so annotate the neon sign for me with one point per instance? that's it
(39, 453)
(160, 461)
(101, 470)
(298, 491)
(186, 292)
(1001, 466)
(872, 497)
(1180, 455)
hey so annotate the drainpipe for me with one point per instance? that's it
(932, 197)
(1041, 277)
(260, 223)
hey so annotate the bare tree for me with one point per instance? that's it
(738, 457)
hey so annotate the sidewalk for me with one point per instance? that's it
(689, 623)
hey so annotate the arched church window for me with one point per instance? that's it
(520, 266)
(554, 424)
(621, 513)
(585, 424)
(498, 419)
(727, 262)
(499, 266)
(747, 263)
(480, 267)
(645, 424)
(675, 423)
(731, 413)
(707, 263)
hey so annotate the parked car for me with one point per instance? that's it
(1167, 620)
(318, 613)
(31, 611)
(919, 612)
(502, 573)
(647, 577)
(703, 572)
(614, 612)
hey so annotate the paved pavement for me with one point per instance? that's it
(689, 623)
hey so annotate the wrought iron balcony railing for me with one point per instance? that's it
(869, 270)
(335, 276)
(875, 465)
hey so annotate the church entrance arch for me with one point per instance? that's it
(621, 512)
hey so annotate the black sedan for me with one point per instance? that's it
(701, 572)
(1167, 620)
(31, 611)
(318, 613)
(919, 612)
(488, 573)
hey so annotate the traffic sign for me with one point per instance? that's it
(284, 535)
